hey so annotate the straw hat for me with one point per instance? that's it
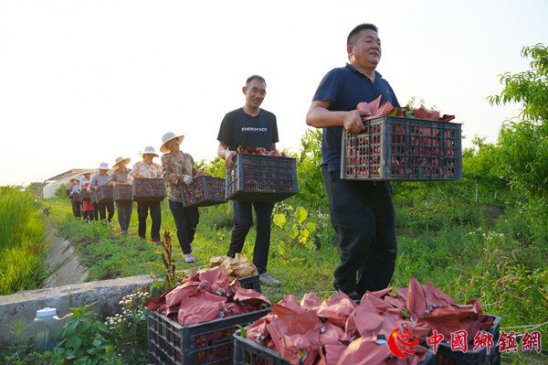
(103, 166)
(149, 150)
(168, 137)
(74, 179)
(120, 160)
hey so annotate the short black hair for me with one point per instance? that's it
(351, 39)
(255, 77)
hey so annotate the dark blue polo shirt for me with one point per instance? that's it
(345, 87)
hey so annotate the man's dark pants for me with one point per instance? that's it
(155, 214)
(103, 208)
(76, 208)
(243, 219)
(362, 214)
(186, 220)
(95, 211)
(124, 208)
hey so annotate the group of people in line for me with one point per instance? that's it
(177, 168)
(246, 126)
(361, 212)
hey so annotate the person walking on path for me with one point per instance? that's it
(178, 169)
(250, 126)
(87, 205)
(73, 191)
(148, 169)
(362, 212)
(120, 175)
(102, 178)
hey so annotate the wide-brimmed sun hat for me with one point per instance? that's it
(168, 137)
(149, 150)
(103, 166)
(121, 160)
(74, 179)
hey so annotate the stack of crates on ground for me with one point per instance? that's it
(204, 191)
(122, 192)
(446, 356)
(149, 190)
(396, 148)
(104, 194)
(247, 352)
(211, 343)
(261, 178)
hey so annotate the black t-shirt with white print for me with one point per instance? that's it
(241, 129)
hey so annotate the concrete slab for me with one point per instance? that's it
(21, 307)
(63, 266)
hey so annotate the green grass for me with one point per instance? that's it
(448, 243)
(22, 241)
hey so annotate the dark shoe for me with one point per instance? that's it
(268, 280)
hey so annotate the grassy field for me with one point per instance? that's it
(472, 249)
(22, 241)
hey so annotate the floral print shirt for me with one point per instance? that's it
(142, 170)
(174, 172)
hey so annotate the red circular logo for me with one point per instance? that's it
(402, 344)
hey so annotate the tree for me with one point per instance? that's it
(523, 141)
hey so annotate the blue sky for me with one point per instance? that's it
(86, 81)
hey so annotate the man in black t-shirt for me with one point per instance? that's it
(250, 126)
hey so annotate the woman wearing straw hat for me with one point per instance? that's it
(72, 191)
(147, 169)
(87, 205)
(101, 179)
(178, 168)
(124, 207)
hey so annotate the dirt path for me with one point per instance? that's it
(62, 265)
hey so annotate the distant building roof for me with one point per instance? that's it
(65, 175)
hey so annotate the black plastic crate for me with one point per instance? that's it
(204, 191)
(247, 352)
(261, 178)
(93, 196)
(446, 356)
(104, 194)
(205, 343)
(396, 148)
(85, 194)
(122, 192)
(149, 190)
(251, 282)
(76, 197)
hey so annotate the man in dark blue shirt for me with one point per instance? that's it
(250, 126)
(362, 212)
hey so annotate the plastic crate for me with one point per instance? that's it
(204, 191)
(251, 282)
(76, 197)
(247, 352)
(395, 148)
(104, 194)
(446, 356)
(93, 196)
(85, 195)
(205, 343)
(261, 178)
(122, 192)
(149, 190)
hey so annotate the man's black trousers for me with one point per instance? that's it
(362, 214)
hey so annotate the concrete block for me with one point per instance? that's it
(21, 307)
